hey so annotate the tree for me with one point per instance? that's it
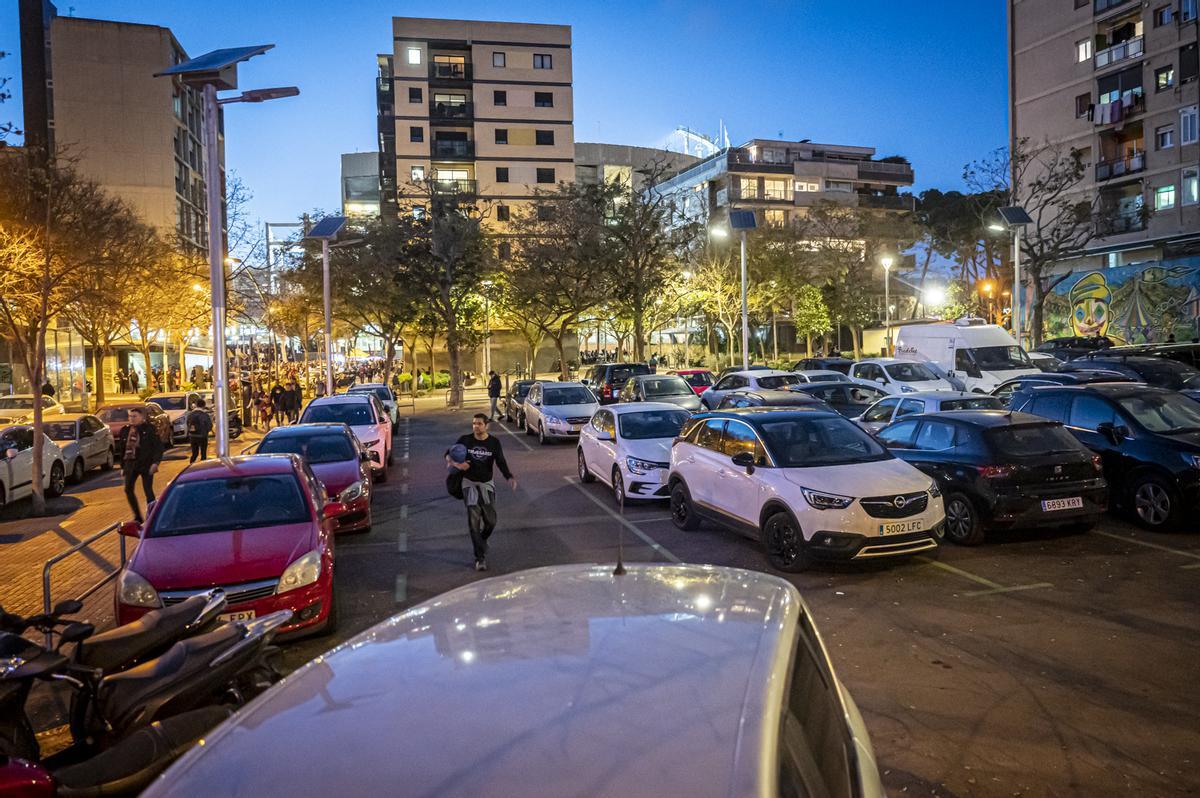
(810, 315)
(6, 128)
(518, 304)
(719, 289)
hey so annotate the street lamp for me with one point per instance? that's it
(1014, 218)
(487, 328)
(887, 261)
(211, 72)
(325, 231)
(741, 221)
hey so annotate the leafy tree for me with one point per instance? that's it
(6, 128)
(810, 315)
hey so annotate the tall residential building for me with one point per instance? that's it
(360, 184)
(1116, 80)
(91, 90)
(478, 108)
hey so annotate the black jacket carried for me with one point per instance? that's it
(199, 423)
(149, 449)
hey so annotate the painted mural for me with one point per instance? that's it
(1142, 303)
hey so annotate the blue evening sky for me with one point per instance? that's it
(921, 78)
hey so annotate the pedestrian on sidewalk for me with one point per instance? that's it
(143, 453)
(493, 394)
(291, 403)
(483, 451)
(199, 424)
(277, 409)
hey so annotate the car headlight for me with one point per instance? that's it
(907, 389)
(370, 444)
(303, 571)
(553, 421)
(351, 493)
(135, 591)
(826, 501)
(934, 490)
(1192, 459)
(639, 467)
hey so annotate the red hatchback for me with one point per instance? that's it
(335, 456)
(699, 379)
(258, 527)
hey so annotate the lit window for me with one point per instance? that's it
(418, 211)
(748, 187)
(414, 56)
(1164, 137)
(1188, 125)
(1083, 50)
(1191, 186)
(498, 60)
(418, 174)
(776, 189)
(775, 217)
(1164, 78)
(541, 61)
(844, 186)
(1164, 198)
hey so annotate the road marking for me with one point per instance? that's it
(402, 542)
(403, 512)
(651, 542)
(401, 588)
(404, 489)
(1013, 589)
(1150, 545)
(404, 472)
(518, 438)
(404, 457)
(992, 587)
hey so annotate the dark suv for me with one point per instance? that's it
(607, 379)
(1073, 346)
(1158, 371)
(1148, 440)
(833, 363)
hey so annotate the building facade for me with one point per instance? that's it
(481, 109)
(360, 184)
(1116, 80)
(630, 165)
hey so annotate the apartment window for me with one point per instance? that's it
(414, 56)
(418, 211)
(498, 60)
(545, 175)
(802, 185)
(417, 174)
(1162, 16)
(1189, 121)
(839, 185)
(501, 135)
(1164, 78)
(543, 99)
(1188, 65)
(544, 136)
(545, 213)
(1164, 198)
(748, 187)
(1164, 137)
(499, 98)
(1083, 50)
(1190, 187)
(1083, 103)
(501, 174)
(503, 213)
(414, 95)
(416, 133)
(776, 189)
(1081, 4)
(504, 250)
(542, 61)
(1187, 10)
(775, 217)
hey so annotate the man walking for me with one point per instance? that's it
(493, 393)
(199, 424)
(479, 492)
(143, 452)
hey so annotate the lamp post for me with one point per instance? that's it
(487, 328)
(741, 221)
(1014, 218)
(326, 231)
(887, 261)
(211, 72)
(687, 324)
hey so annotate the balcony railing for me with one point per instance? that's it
(887, 202)
(452, 149)
(1118, 167)
(451, 187)
(1119, 52)
(440, 70)
(1120, 222)
(451, 110)
(1131, 102)
(383, 85)
(881, 170)
(1101, 6)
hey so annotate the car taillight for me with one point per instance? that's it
(996, 471)
(1097, 465)
(607, 391)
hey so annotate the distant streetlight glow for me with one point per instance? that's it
(996, 227)
(197, 287)
(935, 297)
(718, 232)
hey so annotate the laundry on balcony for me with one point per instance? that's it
(1108, 113)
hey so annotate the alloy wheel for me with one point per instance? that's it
(58, 480)
(783, 541)
(77, 470)
(1153, 503)
(960, 519)
(618, 486)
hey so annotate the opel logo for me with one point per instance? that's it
(1058, 469)
(899, 502)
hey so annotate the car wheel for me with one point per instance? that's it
(331, 620)
(962, 521)
(58, 480)
(785, 543)
(618, 487)
(541, 433)
(77, 471)
(525, 425)
(391, 456)
(584, 474)
(683, 514)
(1155, 502)
(381, 476)
(109, 460)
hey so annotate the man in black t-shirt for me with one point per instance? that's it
(479, 492)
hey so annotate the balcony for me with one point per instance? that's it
(1100, 6)
(883, 170)
(452, 149)
(1119, 52)
(1121, 223)
(454, 187)
(451, 111)
(888, 202)
(1119, 167)
(441, 70)
(1111, 113)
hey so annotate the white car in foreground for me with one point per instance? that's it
(364, 415)
(808, 483)
(558, 409)
(16, 464)
(898, 376)
(628, 447)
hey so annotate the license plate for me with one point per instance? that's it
(1073, 503)
(901, 527)
(576, 427)
(244, 615)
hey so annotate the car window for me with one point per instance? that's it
(962, 360)
(881, 411)
(863, 395)
(23, 438)
(935, 436)
(60, 430)
(973, 403)
(780, 381)
(910, 372)
(170, 402)
(665, 386)
(820, 441)
(323, 447)
(569, 395)
(16, 403)
(738, 438)
(1032, 440)
(898, 436)
(352, 414)
(868, 371)
(698, 379)
(114, 414)
(910, 406)
(649, 424)
(1052, 406)
(830, 394)
(710, 434)
(620, 374)
(226, 503)
(1089, 412)
(1005, 390)
(1166, 413)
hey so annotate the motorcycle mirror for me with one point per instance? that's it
(68, 607)
(75, 632)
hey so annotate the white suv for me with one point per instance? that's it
(898, 376)
(365, 417)
(16, 464)
(558, 409)
(628, 446)
(806, 482)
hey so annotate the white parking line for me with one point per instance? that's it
(992, 587)
(1150, 545)
(402, 542)
(404, 489)
(649, 541)
(401, 587)
(518, 438)
(403, 512)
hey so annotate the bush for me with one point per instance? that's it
(146, 393)
(441, 379)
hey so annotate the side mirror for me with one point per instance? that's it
(130, 529)
(1114, 433)
(68, 607)
(881, 380)
(333, 510)
(373, 455)
(604, 436)
(744, 460)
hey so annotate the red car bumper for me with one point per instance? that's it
(357, 517)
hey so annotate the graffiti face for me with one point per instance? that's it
(1089, 317)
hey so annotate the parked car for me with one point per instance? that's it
(337, 458)
(512, 403)
(1002, 470)
(86, 442)
(672, 680)
(755, 380)
(1070, 347)
(607, 378)
(897, 376)
(364, 415)
(17, 408)
(849, 399)
(258, 527)
(981, 355)
(1158, 371)
(699, 379)
(661, 388)
(795, 479)
(16, 464)
(385, 396)
(893, 408)
(821, 375)
(1187, 353)
(558, 410)
(116, 416)
(1005, 390)
(832, 363)
(766, 398)
(1148, 440)
(1044, 361)
(752, 367)
(628, 447)
(177, 405)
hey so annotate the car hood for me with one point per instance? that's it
(221, 558)
(175, 415)
(15, 416)
(656, 450)
(879, 478)
(570, 411)
(338, 476)
(924, 385)
(368, 432)
(691, 403)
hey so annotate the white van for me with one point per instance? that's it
(982, 355)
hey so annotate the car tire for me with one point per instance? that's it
(331, 620)
(784, 543)
(1155, 502)
(584, 474)
(391, 456)
(963, 525)
(618, 487)
(110, 460)
(683, 513)
(381, 477)
(541, 433)
(77, 471)
(58, 480)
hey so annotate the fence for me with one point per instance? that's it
(80, 546)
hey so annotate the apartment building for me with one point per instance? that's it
(780, 180)
(474, 108)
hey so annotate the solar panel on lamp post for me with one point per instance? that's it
(1014, 218)
(326, 231)
(212, 72)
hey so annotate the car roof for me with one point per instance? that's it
(65, 416)
(984, 418)
(651, 376)
(169, 393)
(1116, 390)
(691, 371)
(887, 361)
(564, 680)
(755, 372)
(553, 384)
(768, 413)
(944, 395)
(240, 465)
(328, 427)
(776, 394)
(120, 405)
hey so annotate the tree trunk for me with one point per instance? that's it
(562, 362)
(639, 335)
(38, 499)
(808, 344)
(389, 352)
(97, 374)
(856, 340)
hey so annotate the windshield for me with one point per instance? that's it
(1001, 358)
(619, 375)
(60, 430)
(1166, 413)
(698, 379)
(16, 402)
(229, 503)
(1031, 440)
(779, 381)
(973, 403)
(170, 402)
(1168, 374)
(799, 443)
(384, 394)
(113, 414)
(353, 414)
(651, 424)
(567, 396)
(323, 448)
(910, 372)
(522, 389)
(666, 386)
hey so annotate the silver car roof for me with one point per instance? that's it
(558, 681)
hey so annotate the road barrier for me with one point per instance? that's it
(83, 544)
